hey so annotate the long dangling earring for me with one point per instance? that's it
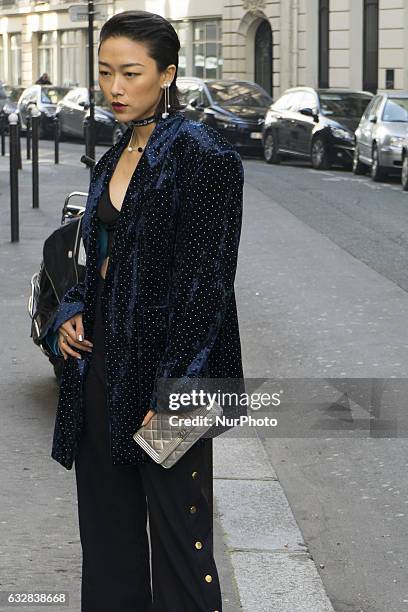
(166, 100)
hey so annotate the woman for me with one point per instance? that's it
(157, 302)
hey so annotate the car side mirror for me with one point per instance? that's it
(309, 112)
(372, 119)
(82, 103)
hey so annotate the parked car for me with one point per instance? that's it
(46, 98)
(234, 107)
(73, 111)
(381, 134)
(315, 124)
(10, 106)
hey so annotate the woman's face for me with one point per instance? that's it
(128, 76)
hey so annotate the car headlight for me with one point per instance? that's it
(397, 141)
(342, 134)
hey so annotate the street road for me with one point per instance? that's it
(322, 287)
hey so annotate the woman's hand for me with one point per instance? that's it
(71, 334)
(148, 417)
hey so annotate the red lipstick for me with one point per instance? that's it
(118, 107)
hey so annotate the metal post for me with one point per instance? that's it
(35, 123)
(91, 87)
(19, 147)
(28, 132)
(3, 134)
(13, 130)
(56, 139)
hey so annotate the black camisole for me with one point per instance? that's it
(108, 213)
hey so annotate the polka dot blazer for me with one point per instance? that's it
(168, 302)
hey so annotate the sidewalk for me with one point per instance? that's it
(262, 559)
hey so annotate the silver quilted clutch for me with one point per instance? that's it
(166, 443)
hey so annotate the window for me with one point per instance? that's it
(15, 59)
(344, 105)
(370, 45)
(46, 44)
(207, 56)
(303, 99)
(53, 95)
(396, 110)
(324, 14)
(70, 44)
(238, 94)
(284, 102)
(373, 107)
(182, 30)
(189, 91)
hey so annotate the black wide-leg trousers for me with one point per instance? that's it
(114, 505)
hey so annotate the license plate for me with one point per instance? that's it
(256, 135)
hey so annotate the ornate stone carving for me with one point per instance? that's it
(254, 5)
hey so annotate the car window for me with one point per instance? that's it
(368, 110)
(13, 93)
(238, 93)
(350, 105)
(309, 100)
(376, 105)
(396, 109)
(189, 91)
(298, 101)
(284, 102)
(52, 95)
(100, 99)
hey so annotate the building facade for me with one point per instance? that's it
(355, 44)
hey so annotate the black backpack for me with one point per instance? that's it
(62, 267)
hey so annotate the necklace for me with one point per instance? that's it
(134, 148)
(135, 123)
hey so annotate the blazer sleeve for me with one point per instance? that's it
(71, 304)
(205, 259)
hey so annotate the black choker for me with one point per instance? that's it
(146, 121)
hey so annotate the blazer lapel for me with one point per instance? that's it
(146, 175)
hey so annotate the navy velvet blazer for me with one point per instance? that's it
(168, 303)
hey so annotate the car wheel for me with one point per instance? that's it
(270, 151)
(319, 155)
(404, 172)
(358, 166)
(377, 172)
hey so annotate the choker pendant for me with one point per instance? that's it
(130, 148)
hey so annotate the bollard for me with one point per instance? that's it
(35, 126)
(56, 139)
(3, 134)
(19, 146)
(13, 130)
(86, 137)
(28, 133)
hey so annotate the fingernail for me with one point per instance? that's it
(80, 337)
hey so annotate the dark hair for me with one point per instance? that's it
(160, 38)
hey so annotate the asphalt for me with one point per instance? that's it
(263, 561)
